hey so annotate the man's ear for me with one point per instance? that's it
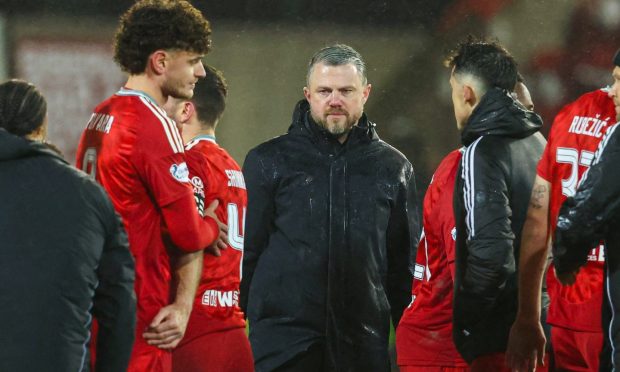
(307, 93)
(366, 92)
(189, 110)
(469, 95)
(157, 61)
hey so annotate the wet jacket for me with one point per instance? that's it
(492, 194)
(64, 257)
(328, 236)
(592, 215)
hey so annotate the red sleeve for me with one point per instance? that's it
(450, 167)
(166, 176)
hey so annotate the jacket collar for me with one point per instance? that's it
(500, 114)
(14, 147)
(302, 124)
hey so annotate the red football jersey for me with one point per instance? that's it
(215, 175)
(573, 139)
(135, 151)
(424, 334)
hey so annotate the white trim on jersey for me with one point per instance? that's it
(469, 192)
(197, 140)
(170, 128)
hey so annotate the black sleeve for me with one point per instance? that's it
(115, 302)
(584, 217)
(489, 259)
(402, 240)
(258, 221)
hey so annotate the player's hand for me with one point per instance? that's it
(567, 278)
(167, 327)
(526, 345)
(222, 241)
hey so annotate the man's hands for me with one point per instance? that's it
(526, 345)
(222, 240)
(167, 327)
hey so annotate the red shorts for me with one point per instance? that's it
(432, 369)
(497, 362)
(146, 358)
(576, 351)
(226, 351)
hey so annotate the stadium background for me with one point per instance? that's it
(564, 48)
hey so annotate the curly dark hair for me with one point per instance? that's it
(151, 25)
(22, 107)
(485, 59)
(210, 96)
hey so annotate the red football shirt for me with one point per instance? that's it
(215, 175)
(573, 139)
(424, 334)
(135, 151)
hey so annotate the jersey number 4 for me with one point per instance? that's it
(575, 158)
(236, 226)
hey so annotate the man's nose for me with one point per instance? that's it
(335, 99)
(199, 71)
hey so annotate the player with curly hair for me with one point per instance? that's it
(136, 152)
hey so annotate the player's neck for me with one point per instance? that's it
(195, 130)
(144, 84)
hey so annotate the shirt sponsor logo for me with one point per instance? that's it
(597, 254)
(180, 172)
(588, 126)
(199, 194)
(215, 298)
(235, 179)
(100, 123)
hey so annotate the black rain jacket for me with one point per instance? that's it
(64, 257)
(492, 194)
(328, 237)
(592, 215)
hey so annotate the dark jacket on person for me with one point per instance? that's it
(592, 215)
(64, 257)
(329, 231)
(492, 194)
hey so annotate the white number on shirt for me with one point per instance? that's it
(89, 162)
(571, 156)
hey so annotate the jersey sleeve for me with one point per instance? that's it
(164, 171)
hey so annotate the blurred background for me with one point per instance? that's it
(563, 47)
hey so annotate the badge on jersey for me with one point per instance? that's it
(180, 172)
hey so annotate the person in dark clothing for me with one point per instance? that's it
(592, 215)
(331, 223)
(64, 253)
(492, 190)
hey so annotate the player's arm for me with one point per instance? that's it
(526, 344)
(114, 304)
(490, 258)
(583, 217)
(168, 327)
(166, 176)
(258, 221)
(403, 232)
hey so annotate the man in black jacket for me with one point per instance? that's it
(330, 225)
(64, 255)
(592, 215)
(502, 148)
